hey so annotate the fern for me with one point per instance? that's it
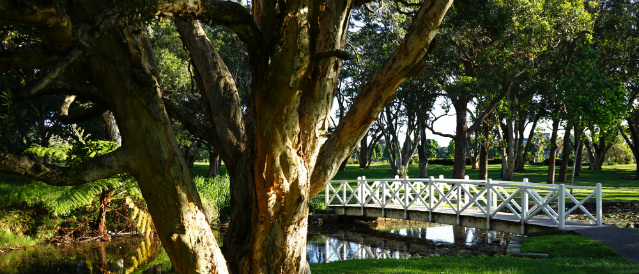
(46, 152)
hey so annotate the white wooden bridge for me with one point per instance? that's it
(515, 207)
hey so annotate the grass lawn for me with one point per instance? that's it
(568, 254)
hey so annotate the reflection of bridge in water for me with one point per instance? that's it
(514, 207)
(405, 243)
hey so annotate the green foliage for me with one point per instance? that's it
(26, 225)
(316, 205)
(54, 154)
(451, 149)
(619, 153)
(432, 147)
(216, 196)
(60, 200)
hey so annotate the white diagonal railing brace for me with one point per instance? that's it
(523, 200)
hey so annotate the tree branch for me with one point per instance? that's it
(53, 73)
(378, 91)
(101, 167)
(29, 56)
(191, 123)
(227, 13)
(439, 133)
(217, 85)
(495, 101)
(83, 115)
(50, 18)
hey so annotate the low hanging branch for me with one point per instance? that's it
(54, 72)
(101, 167)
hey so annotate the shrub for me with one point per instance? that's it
(317, 205)
(216, 196)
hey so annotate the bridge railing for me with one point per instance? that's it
(523, 199)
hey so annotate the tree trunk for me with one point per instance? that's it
(553, 150)
(473, 152)
(520, 161)
(483, 161)
(363, 153)
(565, 156)
(214, 163)
(508, 162)
(422, 150)
(529, 143)
(160, 170)
(461, 139)
(105, 201)
(484, 151)
(579, 147)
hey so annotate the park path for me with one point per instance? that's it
(624, 241)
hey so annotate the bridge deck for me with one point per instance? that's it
(501, 221)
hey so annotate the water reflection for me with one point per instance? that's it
(405, 243)
(118, 256)
(139, 255)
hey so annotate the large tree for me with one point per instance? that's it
(100, 50)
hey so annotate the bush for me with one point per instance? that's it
(216, 196)
(317, 205)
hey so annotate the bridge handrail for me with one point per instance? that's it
(523, 199)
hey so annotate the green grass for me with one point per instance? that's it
(569, 254)
(616, 185)
(568, 245)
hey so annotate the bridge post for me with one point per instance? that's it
(430, 198)
(599, 205)
(562, 207)
(465, 186)
(524, 205)
(489, 201)
(459, 192)
(384, 183)
(344, 193)
(360, 188)
(405, 197)
(327, 195)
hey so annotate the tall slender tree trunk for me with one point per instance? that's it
(461, 139)
(553, 151)
(529, 143)
(214, 163)
(364, 153)
(565, 156)
(520, 161)
(422, 150)
(508, 162)
(579, 147)
(483, 161)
